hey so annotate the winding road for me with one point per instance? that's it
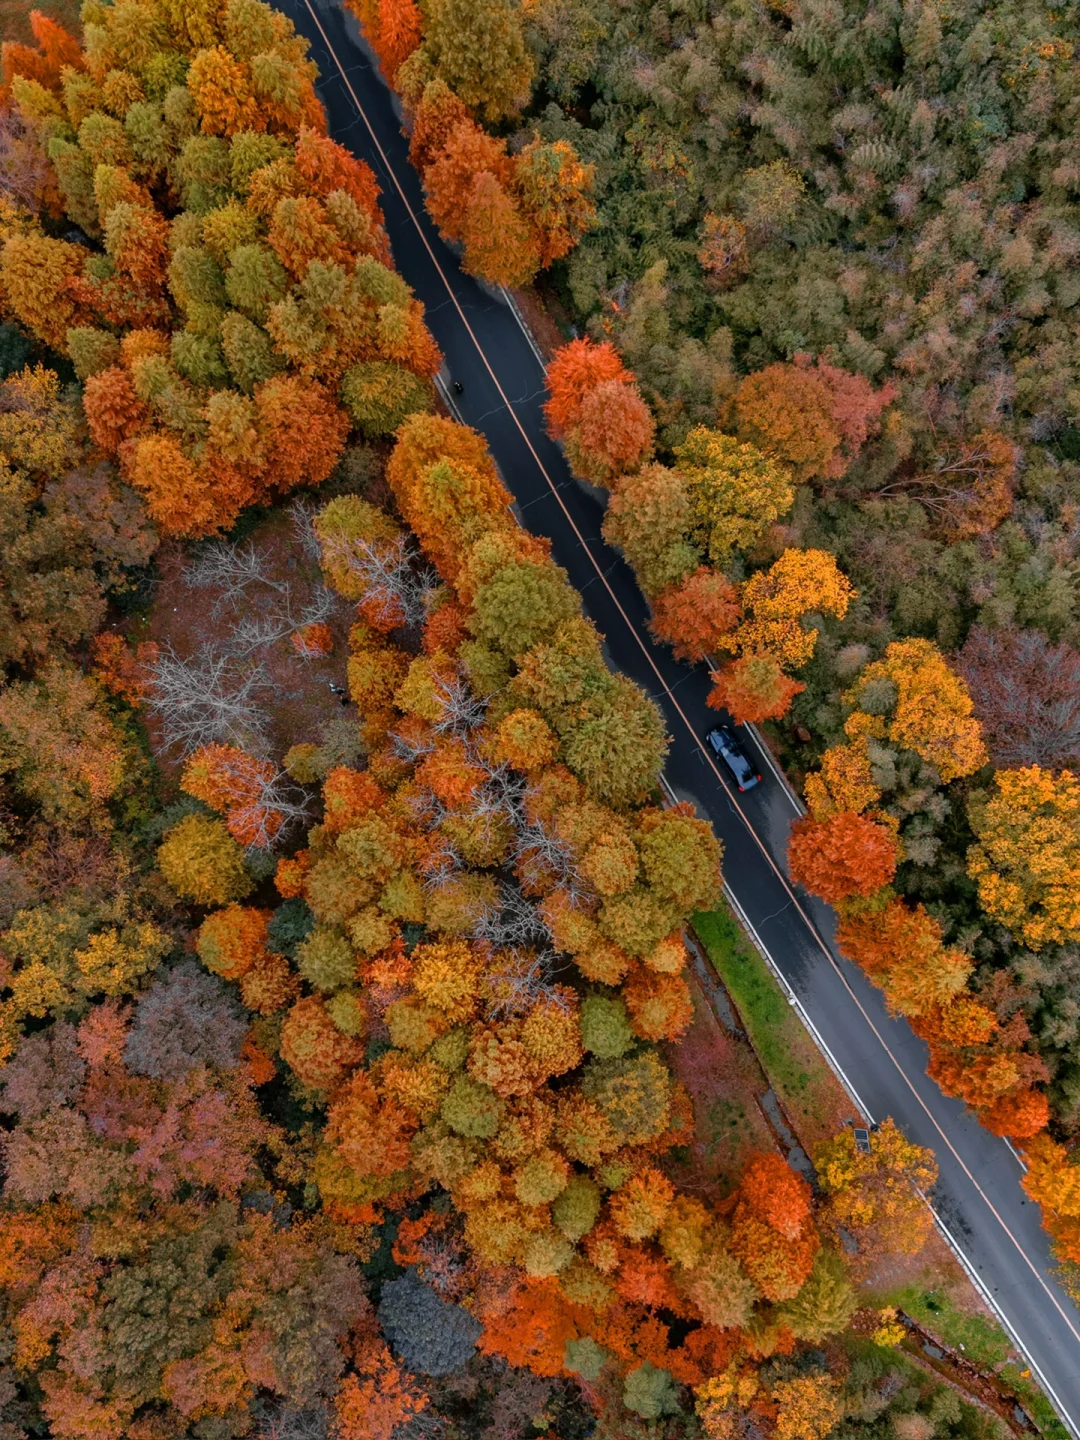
(978, 1200)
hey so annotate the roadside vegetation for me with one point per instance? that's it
(819, 260)
(343, 986)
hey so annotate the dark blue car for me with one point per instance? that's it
(724, 745)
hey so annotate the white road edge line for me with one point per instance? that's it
(944, 1231)
(448, 399)
(815, 1035)
(778, 773)
(515, 310)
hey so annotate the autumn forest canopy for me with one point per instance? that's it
(345, 993)
(820, 263)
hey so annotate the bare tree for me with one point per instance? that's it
(397, 587)
(24, 167)
(209, 699)
(516, 924)
(240, 575)
(282, 1422)
(410, 749)
(462, 710)
(280, 620)
(302, 513)
(233, 569)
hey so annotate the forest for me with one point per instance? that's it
(338, 1025)
(817, 284)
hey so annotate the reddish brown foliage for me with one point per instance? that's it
(845, 855)
(753, 688)
(114, 412)
(468, 153)
(1026, 692)
(776, 1194)
(575, 371)
(693, 615)
(529, 1326)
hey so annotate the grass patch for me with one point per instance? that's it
(982, 1340)
(816, 1104)
(726, 1126)
(807, 1089)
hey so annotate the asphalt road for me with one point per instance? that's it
(978, 1197)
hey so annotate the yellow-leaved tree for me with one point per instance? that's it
(1027, 859)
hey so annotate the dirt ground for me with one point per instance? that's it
(300, 705)
(549, 324)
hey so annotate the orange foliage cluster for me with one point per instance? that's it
(122, 670)
(29, 177)
(556, 1186)
(56, 50)
(694, 615)
(845, 855)
(513, 214)
(753, 688)
(981, 1048)
(772, 1229)
(810, 414)
(313, 640)
(974, 1054)
(242, 317)
(596, 410)
(1053, 1181)
(240, 787)
(664, 525)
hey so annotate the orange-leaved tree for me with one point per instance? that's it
(594, 407)
(693, 615)
(900, 947)
(845, 855)
(777, 632)
(753, 688)
(814, 417)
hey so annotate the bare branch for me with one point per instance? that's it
(302, 514)
(209, 699)
(524, 979)
(264, 807)
(462, 710)
(24, 166)
(397, 589)
(285, 1423)
(233, 569)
